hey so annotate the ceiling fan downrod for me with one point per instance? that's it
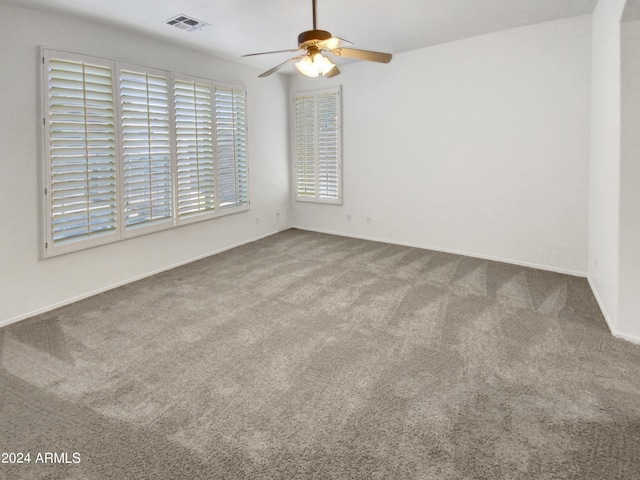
(315, 36)
(314, 14)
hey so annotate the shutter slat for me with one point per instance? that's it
(305, 145)
(327, 145)
(194, 143)
(82, 169)
(231, 146)
(146, 148)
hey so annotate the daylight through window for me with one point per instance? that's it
(317, 137)
(131, 150)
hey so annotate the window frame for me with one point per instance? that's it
(317, 197)
(92, 241)
(120, 232)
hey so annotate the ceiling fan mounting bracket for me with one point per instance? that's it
(312, 37)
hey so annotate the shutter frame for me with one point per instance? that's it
(196, 171)
(317, 144)
(70, 80)
(231, 131)
(146, 186)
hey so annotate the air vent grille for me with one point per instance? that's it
(186, 23)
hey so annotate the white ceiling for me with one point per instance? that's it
(238, 27)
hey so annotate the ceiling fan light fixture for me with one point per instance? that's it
(305, 67)
(315, 64)
(323, 63)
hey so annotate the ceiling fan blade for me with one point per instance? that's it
(267, 53)
(278, 67)
(333, 42)
(333, 72)
(362, 54)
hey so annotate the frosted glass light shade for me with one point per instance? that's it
(314, 66)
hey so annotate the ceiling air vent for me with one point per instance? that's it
(186, 23)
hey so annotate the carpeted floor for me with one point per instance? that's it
(305, 355)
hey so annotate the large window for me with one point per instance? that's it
(131, 150)
(317, 138)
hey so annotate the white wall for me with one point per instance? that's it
(628, 321)
(614, 199)
(604, 183)
(479, 146)
(29, 284)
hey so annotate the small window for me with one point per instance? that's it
(317, 137)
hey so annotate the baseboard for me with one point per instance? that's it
(603, 309)
(445, 250)
(616, 333)
(68, 301)
(607, 317)
(624, 336)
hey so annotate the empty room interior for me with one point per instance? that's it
(320, 239)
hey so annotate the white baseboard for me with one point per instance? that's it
(446, 250)
(607, 317)
(603, 309)
(68, 301)
(624, 336)
(616, 333)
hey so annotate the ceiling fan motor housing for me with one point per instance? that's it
(312, 37)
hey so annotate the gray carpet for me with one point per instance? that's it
(305, 355)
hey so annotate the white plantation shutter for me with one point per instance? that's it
(81, 151)
(327, 144)
(146, 148)
(318, 146)
(306, 145)
(231, 147)
(196, 169)
(131, 150)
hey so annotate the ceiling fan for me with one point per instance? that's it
(311, 45)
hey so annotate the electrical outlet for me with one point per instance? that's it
(368, 219)
(257, 220)
(348, 217)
